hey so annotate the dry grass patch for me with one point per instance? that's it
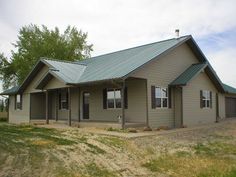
(178, 165)
(94, 170)
(112, 141)
(42, 143)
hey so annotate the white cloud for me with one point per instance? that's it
(117, 24)
(223, 61)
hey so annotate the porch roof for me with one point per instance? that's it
(229, 89)
(188, 74)
(10, 91)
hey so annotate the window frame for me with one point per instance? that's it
(207, 99)
(162, 97)
(114, 99)
(18, 105)
(64, 100)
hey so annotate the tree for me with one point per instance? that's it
(35, 42)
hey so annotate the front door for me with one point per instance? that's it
(86, 105)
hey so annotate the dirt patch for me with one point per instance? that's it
(32, 151)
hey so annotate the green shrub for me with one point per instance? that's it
(3, 119)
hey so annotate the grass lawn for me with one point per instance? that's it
(32, 151)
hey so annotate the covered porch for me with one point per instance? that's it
(117, 104)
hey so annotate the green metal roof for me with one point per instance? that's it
(116, 65)
(188, 74)
(10, 91)
(121, 63)
(68, 72)
(109, 66)
(229, 89)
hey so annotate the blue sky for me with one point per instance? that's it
(217, 41)
(118, 24)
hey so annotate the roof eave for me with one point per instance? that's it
(95, 82)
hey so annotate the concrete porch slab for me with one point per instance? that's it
(89, 124)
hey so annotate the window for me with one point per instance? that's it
(206, 99)
(63, 99)
(18, 102)
(161, 97)
(113, 98)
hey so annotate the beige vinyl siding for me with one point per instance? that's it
(33, 83)
(192, 113)
(23, 116)
(54, 83)
(38, 108)
(52, 104)
(161, 72)
(75, 104)
(63, 114)
(221, 99)
(96, 111)
(136, 111)
(177, 107)
(19, 116)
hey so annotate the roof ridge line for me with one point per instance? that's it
(136, 47)
(62, 61)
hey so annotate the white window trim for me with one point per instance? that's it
(167, 107)
(64, 100)
(113, 90)
(20, 102)
(206, 99)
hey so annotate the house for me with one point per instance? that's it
(166, 83)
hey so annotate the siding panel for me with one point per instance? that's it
(136, 111)
(19, 116)
(221, 105)
(192, 113)
(161, 72)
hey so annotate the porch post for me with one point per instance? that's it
(47, 119)
(69, 107)
(57, 101)
(79, 110)
(8, 102)
(123, 104)
(147, 116)
(182, 108)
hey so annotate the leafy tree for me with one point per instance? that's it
(35, 42)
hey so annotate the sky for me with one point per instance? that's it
(118, 24)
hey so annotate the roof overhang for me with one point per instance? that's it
(229, 89)
(188, 74)
(11, 91)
